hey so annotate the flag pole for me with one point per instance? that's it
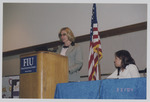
(99, 68)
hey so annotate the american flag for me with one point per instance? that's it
(95, 48)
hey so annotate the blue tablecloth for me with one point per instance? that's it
(133, 88)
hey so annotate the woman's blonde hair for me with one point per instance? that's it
(69, 34)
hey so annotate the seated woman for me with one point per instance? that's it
(125, 65)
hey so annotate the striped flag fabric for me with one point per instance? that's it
(95, 48)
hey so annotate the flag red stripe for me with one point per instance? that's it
(95, 29)
(95, 36)
(91, 59)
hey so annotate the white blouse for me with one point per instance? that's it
(130, 71)
(63, 51)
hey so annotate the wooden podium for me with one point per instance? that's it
(40, 72)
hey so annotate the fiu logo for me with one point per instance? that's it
(28, 61)
(28, 64)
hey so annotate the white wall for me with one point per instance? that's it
(31, 24)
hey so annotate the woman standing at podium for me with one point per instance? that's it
(125, 64)
(73, 51)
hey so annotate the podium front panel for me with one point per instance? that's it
(51, 69)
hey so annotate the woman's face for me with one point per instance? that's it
(63, 36)
(117, 62)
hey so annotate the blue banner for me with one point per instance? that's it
(28, 64)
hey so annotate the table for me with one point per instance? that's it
(132, 88)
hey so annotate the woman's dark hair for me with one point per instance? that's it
(125, 57)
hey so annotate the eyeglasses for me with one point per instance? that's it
(64, 34)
